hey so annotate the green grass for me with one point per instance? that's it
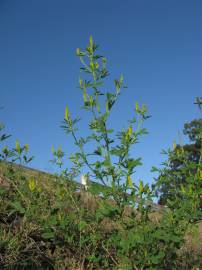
(51, 225)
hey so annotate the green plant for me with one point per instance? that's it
(18, 153)
(179, 182)
(5, 152)
(110, 161)
(135, 242)
(58, 155)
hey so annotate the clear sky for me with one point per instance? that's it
(156, 45)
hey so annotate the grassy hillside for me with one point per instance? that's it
(47, 222)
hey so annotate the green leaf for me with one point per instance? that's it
(18, 207)
(109, 131)
(107, 107)
(154, 169)
(132, 163)
(117, 151)
(79, 53)
(48, 235)
(82, 225)
(2, 190)
(107, 162)
(157, 259)
(98, 151)
(4, 137)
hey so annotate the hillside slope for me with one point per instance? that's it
(41, 225)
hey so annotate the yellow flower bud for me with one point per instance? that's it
(85, 97)
(91, 41)
(26, 147)
(78, 51)
(129, 133)
(32, 184)
(96, 65)
(80, 82)
(174, 145)
(17, 146)
(129, 182)
(141, 187)
(92, 65)
(66, 113)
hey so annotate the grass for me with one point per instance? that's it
(30, 220)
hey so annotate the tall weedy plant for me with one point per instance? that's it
(110, 161)
(134, 240)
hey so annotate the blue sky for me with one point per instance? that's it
(156, 45)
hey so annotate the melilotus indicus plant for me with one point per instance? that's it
(5, 152)
(110, 162)
(135, 242)
(17, 154)
(58, 155)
